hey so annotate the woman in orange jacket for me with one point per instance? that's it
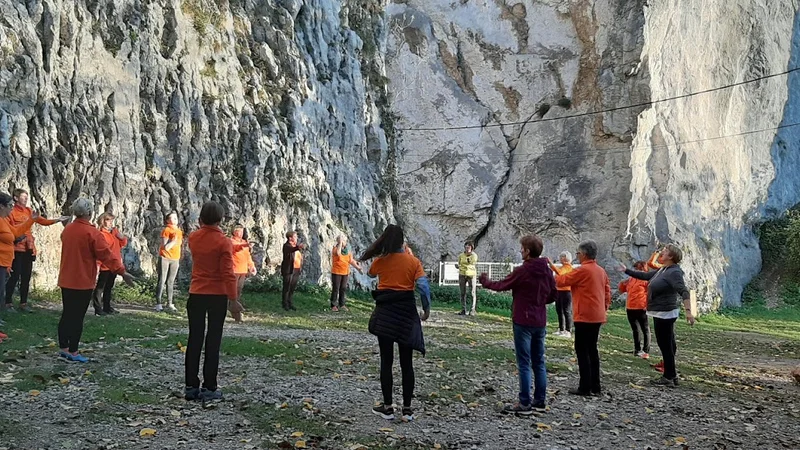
(243, 266)
(564, 299)
(82, 245)
(8, 234)
(636, 309)
(24, 250)
(101, 298)
(213, 285)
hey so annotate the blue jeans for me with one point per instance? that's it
(529, 347)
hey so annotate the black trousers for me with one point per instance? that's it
(586, 337)
(21, 271)
(101, 298)
(665, 336)
(637, 318)
(564, 310)
(386, 347)
(74, 304)
(289, 285)
(339, 289)
(198, 307)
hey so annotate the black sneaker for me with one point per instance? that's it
(100, 313)
(112, 311)
(191, 393)
(663, 382)
(387, 412)
(207, 395)
(539, 407)
(676, 382)
(519, 408)
(579, 392)
(462, 313)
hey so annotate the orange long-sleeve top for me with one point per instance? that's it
(637, 293)
(212, 263)
(591, 292)
(242, 258)
(8, 233)
(82, 245)
(115, 243)
(18, 216)
(653, 262)
(563, 270)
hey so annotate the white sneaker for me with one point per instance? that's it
(566, 335)
(172, 308)
(159, 308)
(558, 333)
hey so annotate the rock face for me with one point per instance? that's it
(708, 196)
(491, 63)
(268, 106)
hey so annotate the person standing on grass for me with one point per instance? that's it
(591, 296)
(466, 276)
(291, 265)
(564, 300)
(169, 257)
(24, 250)
(636, 309)
(532, 288)
(101, 298)
(340, 271)
(82, 245)
(663, 289)
(8, 233)
(395, 318)
(213, 285)
(243, 266)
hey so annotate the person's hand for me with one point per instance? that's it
(621, 267)
(482, 278)
(64, 219)
(252, 271)
(425, 314)
(128, 279)
(35, 215)
(301, 246)
(690, 318)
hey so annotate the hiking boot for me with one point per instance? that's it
(158, 307)
(662, 381)
(408, 414)
(25, 308)
(576, 391)
(344, 308)
(191, 393)
(334, 309)
(462, 313)
(207, 395)
(518, 408)
(643, 355)
(387, 412)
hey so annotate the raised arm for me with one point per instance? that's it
(646, 276)
(505, 284)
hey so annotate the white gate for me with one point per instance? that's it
(448, 273)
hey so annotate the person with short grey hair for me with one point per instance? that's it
(564, 298)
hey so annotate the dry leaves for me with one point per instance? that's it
(147, 432)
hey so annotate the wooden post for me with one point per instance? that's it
(693, 302)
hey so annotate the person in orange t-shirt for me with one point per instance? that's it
(340, 271)
(82, 245)
(564, 300)
(213, 285)
(243, 266)
(636, 309)
(24, 250)
(101, 298)
(169, 257)
(591, 295)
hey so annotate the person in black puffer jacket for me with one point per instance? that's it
(663, 289)
(395, 317)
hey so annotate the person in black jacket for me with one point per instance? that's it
(291, 265)
(395, 317)
(663, 288)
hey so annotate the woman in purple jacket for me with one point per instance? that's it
(532, 288)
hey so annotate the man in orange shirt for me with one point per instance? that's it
(291, 265)
(213, 285)
(24, 250)
(101, 298)
(591, 296)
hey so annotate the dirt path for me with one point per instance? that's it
(133, 386)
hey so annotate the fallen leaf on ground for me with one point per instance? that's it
(300, 444)
(34, 393)
(297, 434)
(543, 426)
(577, 416)
(147, 432)
(386, 430)
(64, 380)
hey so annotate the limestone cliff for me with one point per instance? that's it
(272, 107)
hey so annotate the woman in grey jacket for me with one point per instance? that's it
(663, 289)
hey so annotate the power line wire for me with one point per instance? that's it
(604, 151)
(607, 110)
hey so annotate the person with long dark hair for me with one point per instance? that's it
(213, 284)
(82, 246)
(664, 288)
(395, 318)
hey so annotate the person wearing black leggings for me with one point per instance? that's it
(395, 317)
(663, 289)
